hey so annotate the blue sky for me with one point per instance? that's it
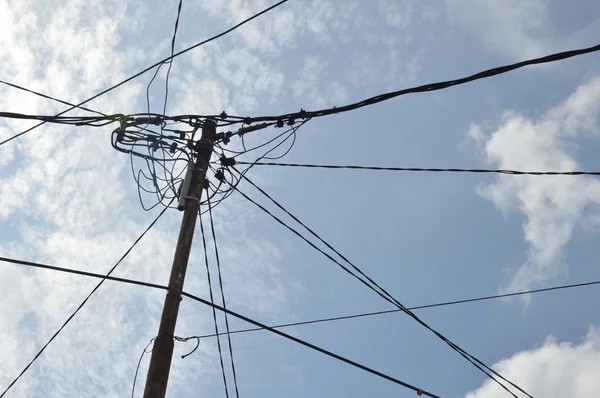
(67, 197)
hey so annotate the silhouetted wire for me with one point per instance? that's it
(171, 60)
(212, 301)
(453, 170)
(425, 88)
(149, 68)
(378, 289)
(49, 97)
(139, 363)
(82, 303)
(396, 310)
(228, 311)
(214, 237)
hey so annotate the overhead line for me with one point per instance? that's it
(49, 97)
(371, 284)
(149, 68)
(419, 307)
(39, 353)
(425, 88)
(229, 312)
(419, 169)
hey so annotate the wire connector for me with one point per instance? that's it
(225, 161)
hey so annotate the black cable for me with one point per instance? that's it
(424, 88)
(371, 284)
(49, 97)
(150, 68)
(139, 363)
(454, 170)
(214, 236)
(229, 312)
(171, 60)
(396, 310)
(212, 301)
(82, 303)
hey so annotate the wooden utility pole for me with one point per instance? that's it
(162, 353)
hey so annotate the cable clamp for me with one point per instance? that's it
(225, 161)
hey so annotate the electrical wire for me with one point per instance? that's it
(49, 97)
(371, 284)
(212, 301)
(139, 363)
(149, 68)
(424, 88)
(396, 310)
(453, 170)
(229, 312)
(39, 353)
(171, 60)
(214, 237)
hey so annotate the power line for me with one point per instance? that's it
(214, 237)
(396, 310)
(229, 312)
(172, 53)
(137, 369)
(452, 170)
(49, 97)
(82, 303)
(371, 284)
(424, 88)
(150, 68)
(212, 301)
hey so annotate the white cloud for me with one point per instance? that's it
(557, 370)
(552, 206)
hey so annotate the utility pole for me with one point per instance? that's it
(162, 353)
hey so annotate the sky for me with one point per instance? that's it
(67, 198)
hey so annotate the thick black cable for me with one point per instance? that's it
(425, 88)
(214, 237)
(82, 303)
(396, 310)
(453, 170)
(212, 301)
(371, 284)
(49, 97)
(150, 68)
(229, 312)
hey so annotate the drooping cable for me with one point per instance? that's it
(137, 369)
(451, 170)
(39, 353)
(371, 284)
(228, 311)
(214, 237)
(150, 68)
(212, 301)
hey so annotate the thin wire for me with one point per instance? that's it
(396, 310)
(82, 303)
(426, 87)
(171, 60)
(214, 236)
(139, 363)
(49, 97)
(229, 312)
(371, 284)
(212, 302)
(150, 68)
(454, 170)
